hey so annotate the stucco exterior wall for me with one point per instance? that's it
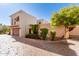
(75, 31)
(12, 21)
(24, 21)
(60, 30)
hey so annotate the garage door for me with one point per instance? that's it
(16, 31)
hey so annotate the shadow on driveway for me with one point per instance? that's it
(61, 47)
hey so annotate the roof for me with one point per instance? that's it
(21, 11)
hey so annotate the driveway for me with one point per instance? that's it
(12, 46)
(15, 46)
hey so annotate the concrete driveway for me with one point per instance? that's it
(15, 46)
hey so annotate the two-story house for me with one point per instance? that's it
(20, 22)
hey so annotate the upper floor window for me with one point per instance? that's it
(17, 18)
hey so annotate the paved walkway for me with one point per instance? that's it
(14, 46)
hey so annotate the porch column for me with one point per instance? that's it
(11, 32)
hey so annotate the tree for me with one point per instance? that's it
(69, 17)
(5, 29)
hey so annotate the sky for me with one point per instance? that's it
(39, 10)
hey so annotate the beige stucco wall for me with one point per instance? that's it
(24, 22)
(75, 31)
(60, 31)
(13, 18)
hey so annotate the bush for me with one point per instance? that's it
(35, 29)
(44, 32)
(52, 35)
(33, 36)
(28, 35)
(33, 32)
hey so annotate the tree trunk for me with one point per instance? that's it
(66, 36)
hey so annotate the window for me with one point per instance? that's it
(17, 18)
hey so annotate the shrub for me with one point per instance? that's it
(34, 29)
(28, 35)
(33, 36)
(44, 32)
(33, 32)
(4, 29)
(52, 35)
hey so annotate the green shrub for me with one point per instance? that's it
(52, 35)
(33, 32)
(4, 29)
(28, 35)
(34, 29)
(44, 32)
(33, 36)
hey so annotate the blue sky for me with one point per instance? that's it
(39, 10)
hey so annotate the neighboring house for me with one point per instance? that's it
(20, 22)
(42, 21)
(44, 24)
